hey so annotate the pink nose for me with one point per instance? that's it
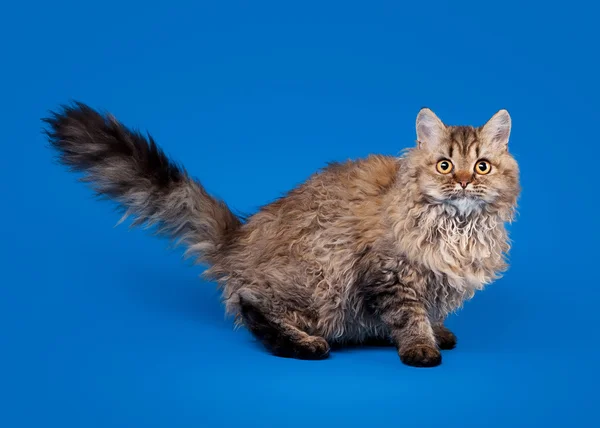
(464, 183)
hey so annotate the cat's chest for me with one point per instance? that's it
(457, 267)
(463, 255)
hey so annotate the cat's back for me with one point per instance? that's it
(341, 182)
(335, 204)
(361, 178)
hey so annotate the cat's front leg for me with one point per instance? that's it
(407, 320)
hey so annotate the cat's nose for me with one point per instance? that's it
(463, 178)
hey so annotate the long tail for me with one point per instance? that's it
(132, 170)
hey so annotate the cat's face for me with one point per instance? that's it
(466, 167)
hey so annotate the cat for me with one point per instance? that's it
(376, 250)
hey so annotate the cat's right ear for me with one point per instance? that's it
(430, 129)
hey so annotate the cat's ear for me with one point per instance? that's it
(497, 130)
(430, 129)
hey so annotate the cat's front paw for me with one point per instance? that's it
(445, 338)
(421, 356)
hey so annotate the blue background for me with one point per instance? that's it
(106, 327)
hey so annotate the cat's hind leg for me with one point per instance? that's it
(278, 336)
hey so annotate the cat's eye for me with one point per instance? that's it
(444, 166)
(483, 167)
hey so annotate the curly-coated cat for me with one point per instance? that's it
(379, 249)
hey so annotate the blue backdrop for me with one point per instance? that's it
(106, 327)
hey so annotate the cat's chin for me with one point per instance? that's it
(466, 204)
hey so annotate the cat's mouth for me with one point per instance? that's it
(465, 201)
(464, 194)
(464, 197)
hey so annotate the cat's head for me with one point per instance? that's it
(465, 167)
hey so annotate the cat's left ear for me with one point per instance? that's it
(497, 130)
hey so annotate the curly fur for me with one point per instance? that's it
(381, 248)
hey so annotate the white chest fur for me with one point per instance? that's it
(466, 251)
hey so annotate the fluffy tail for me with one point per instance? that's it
(131, 169)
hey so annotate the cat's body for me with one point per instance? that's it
(375, 250)
(330, 232)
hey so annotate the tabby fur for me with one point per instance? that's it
(375, 250)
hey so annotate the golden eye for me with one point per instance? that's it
(483, 167)
(444, 166)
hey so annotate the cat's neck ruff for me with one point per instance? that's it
(463, 246)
